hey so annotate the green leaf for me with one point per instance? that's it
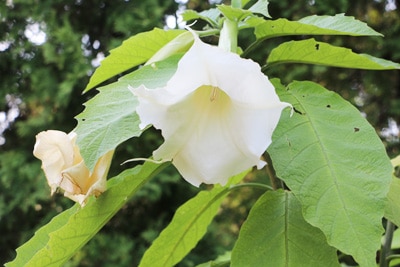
(336, 165)
(187, 227)
(236, 14)
(396, 239)
(261, 7)
(221, 261)
(392, 210)
(211, 15)
(314, 25)
(134, 51)
(313, 52)
(104, 124)
(341, 23)
(65, 234)
(276, 234)
(244, 2)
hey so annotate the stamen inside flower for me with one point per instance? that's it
(211, 98)
(214, 93)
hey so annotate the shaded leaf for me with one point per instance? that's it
(134, 51)
(103, 124)
(221, 261)
(276, 234)
(314, 25)
(187, 227)
(313, 52)
(65, 234)
(336, 165)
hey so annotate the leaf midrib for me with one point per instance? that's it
(333, 174)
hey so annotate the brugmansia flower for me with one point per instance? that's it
(64, 167)
(216, 114)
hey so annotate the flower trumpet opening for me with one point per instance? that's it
(208, 99)
(216, 114)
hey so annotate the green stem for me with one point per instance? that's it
(236, 3)
(207, 32)
(228, 37)
(392, 257)
(255, 185)
(251, 47)
(272, 174)
(386, 247)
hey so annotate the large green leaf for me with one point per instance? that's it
(134, 51)
(187, 227)
(311, 51)
(392, 210)
(65, 234)
(276, 234)
(336, 165)
(313, 25)
(110, 117)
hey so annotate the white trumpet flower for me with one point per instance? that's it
(217, 114)
(64, 167)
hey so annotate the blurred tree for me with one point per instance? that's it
(49, 48)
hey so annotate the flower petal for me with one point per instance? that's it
(64, 166)
(217, 114)
(55, 150)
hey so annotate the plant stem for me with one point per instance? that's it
(386, 247)
(392, 257)
(207, 32)
(236, 3)
(256, 185)
(251, 47)
(228, 36)
(272, 174)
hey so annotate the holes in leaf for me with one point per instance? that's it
(317, 46)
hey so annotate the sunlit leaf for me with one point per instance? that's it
(276, 234)
(210, 15)
(261, 7)
(396, 239)
(396, 161)
(232, 13)
(314, 25)
(392, 211)
(336, 165)
(110, 117)
(65, 234)
(313, 52)
(187, 227)
(134, 51)
(244, 2)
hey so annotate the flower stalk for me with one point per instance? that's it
(386, 246)
(228, 36)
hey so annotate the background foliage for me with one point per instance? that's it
(50, 77)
